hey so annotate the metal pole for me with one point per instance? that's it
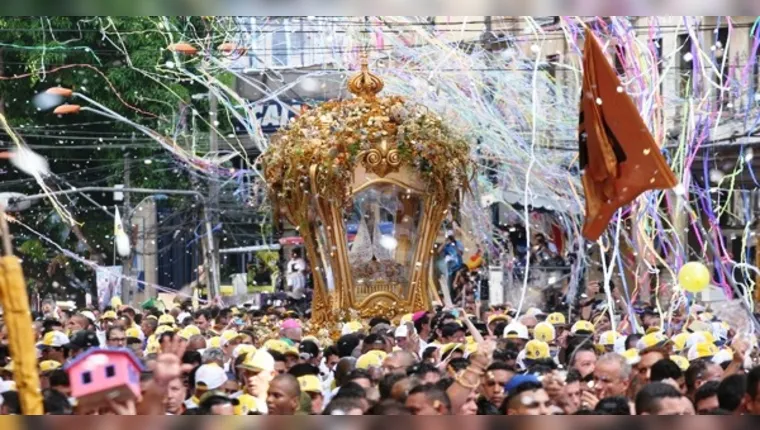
(213, 273)
(127, 287)
(211, 211)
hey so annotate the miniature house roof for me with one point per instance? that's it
(107, 351)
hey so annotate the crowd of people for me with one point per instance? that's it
(243, 361)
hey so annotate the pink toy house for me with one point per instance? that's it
(102, 374)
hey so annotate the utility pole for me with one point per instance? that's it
(2, 71)
(127, 292)
(213, 275)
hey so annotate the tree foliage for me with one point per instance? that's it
(112, 60)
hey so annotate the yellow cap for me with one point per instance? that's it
(310, 384)
(632, 356)
(153, 347)
(449, 347)
(679, 341)
(246, 404)
(608, 338)
(116, 302)
(189, 331)
(470, 348)
(214, 342)
(373, 358)
(407, 318)
(582, 326)
(49, 366)
(242, 349)
(166, 319)
(8, 367)
(351, 327)
(556, 318)
(537, 350)
(545, 332)
(261, 360)
(228, 335)
(702, 350)
(163, 329)
(682, 362)
(650, 340)
(276, 345)
(109, 315)
(292, 351)
(235, 312)
(134, 333)
(498, 317)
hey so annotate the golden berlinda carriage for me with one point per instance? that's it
(386, 168)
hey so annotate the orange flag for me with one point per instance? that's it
(618, 155)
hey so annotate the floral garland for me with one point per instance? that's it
(334, 134)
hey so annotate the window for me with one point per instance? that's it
(280, 45)
(721, 62)
(685, 65)
(86, 378)
(754, 56)
(551, 68)
(619, 55)
(110, 371)
(657, 53)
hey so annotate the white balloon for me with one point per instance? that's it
(310, 85)
(45, 101)
(29, 162)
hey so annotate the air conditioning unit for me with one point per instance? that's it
(713, 294)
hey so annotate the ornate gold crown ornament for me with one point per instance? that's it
(365, 84)
(384, 166)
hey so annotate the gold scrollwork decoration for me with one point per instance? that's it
(383, 303)
(382, 160)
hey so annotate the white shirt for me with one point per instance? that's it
(296, 278)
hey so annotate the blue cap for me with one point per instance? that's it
(518, 380)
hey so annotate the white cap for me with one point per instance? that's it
(518, 331)
(261, 360)
(211, 375)
(694, 339)
(619, 347)
(54, 339)
(89, 315)
(719, 331)
(535, 312)
(402, 331)
(723, 356)
(182, 316)
(520, 361)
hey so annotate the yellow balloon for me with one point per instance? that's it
(694, 277)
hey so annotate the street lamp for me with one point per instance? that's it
(213, 280)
